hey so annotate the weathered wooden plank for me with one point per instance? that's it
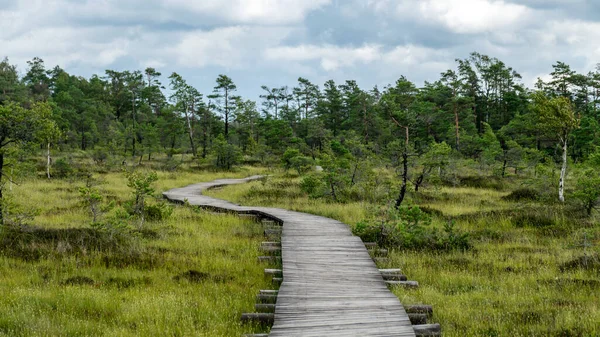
(268, 292)
(273, 272)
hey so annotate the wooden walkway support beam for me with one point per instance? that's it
(419, 309)
(261, 307)
(427, 330)
(405, 284)
(258, 317)
(269, 259)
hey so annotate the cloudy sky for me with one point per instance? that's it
(273, 42)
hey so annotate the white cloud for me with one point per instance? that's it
(574, 38)
(230, 47)
(330, 57)
(401, 59)
(412, 55)
(251, 11)
(65, 46)
(460, 16)
(472, 16)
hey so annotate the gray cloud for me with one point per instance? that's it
(273, 42)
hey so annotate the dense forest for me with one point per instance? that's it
(481, 111)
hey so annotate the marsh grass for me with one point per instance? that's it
(524, 277)
(193, 274)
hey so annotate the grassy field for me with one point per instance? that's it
(193, 274)
(521, 279)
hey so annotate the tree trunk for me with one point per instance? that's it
(419, 181)
(404, 179)
(226, 115)
(1, 199)
(457, 127)
(133, 124)
(563, 171)
(332, 186)
(190, 132)
(504, 168)
(354, 174)
(133, 144)
(365, 121)
(204, 140)
(48, 162)
(170, 155)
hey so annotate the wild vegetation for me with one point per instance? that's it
(492, 262)
(485, 191)
(64, 274)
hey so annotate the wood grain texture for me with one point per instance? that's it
(331, 286)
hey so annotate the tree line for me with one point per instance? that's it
(480, 110)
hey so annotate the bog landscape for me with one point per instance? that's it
(482, 191)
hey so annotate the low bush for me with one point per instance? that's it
(408, 228)
(523, 194)
(125, 283)
(491, 182)
(311, 184)
(79, 280)
(533, 220)
(193, 276)
(62, 169)
(586, 262)
(29, 243)
(158, 212)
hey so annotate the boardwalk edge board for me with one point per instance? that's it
(329, 282)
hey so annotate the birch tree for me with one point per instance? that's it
(188, 100)
(556, 117)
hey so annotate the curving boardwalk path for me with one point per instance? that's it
(331, 286)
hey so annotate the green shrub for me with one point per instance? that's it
(407, 228)
(158, 212)
(226, 155)
(586, 262)
(100, 156)
(533, 220)
(490, 182)
(587, 190)
(523, 194)
(62, 169)
(79, 280)
(141, 183)
(311, 184)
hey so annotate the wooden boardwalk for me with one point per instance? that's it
(331, 286)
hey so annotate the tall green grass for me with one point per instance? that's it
(192, 275)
